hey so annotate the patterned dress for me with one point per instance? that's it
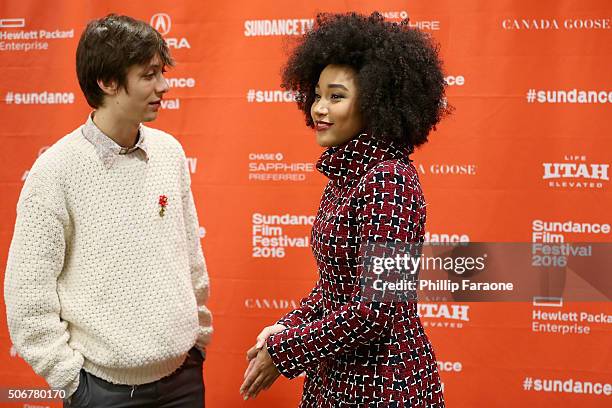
(357, 353)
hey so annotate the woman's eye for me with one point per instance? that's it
(317, 96)
(337, 96)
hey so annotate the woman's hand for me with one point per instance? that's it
(260, 342)
(267, 332)
(261, 374)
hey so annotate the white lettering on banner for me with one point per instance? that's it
(453, 80)
(163, 23)
(171, 104)
(572, 96)
(443, 311)
(446, 238)
(33, 46)
(192, 163)
(569, 386)
(34, 35)
(18, 35)
(269, 96)
(181, 82)
(56, 34)
(269, 239)
(256, 303)
(554, 24)
(28, 40)
(595, 318)
(576, 173)
(450, 366)
(270, 167)
(569, 170)
(296, 26)
(567, 322)
(543, 231)
(299, 26)
(285, 219)
(433, 25)
(178, 43)
(453, 169)
(266, 156)
(395, 15)
(39, 98)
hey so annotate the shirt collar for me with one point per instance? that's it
(106, 148)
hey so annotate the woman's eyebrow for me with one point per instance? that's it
(337, 86)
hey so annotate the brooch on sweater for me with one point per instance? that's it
(163, 202)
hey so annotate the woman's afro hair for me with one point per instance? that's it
(399, 73)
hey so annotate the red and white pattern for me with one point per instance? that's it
(358, 353)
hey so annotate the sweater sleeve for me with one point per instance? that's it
(36, 259)
(197, 265)
(309, 310)
(390, 210)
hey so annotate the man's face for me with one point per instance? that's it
(145, 88)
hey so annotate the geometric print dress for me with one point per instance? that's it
(357, 353)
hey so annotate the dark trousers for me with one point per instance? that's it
(183, 389)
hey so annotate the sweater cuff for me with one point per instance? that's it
(72, 386)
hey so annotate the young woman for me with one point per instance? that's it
(372, 90)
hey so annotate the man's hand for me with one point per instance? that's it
(261, 373)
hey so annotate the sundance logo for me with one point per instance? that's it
(278, 27)
(163, 23)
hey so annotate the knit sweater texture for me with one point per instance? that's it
(96, 277)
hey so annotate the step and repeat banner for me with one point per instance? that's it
(525, 157)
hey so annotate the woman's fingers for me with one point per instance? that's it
(249, 368)
(252, 352)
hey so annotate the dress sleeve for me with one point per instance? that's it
(309, 310)
(391, 209)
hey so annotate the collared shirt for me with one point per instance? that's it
(107, 149)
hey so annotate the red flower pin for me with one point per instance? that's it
(163, 202)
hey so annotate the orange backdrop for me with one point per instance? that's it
(510, 155)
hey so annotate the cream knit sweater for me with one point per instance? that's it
(96, 278)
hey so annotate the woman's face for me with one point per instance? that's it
(335, 112)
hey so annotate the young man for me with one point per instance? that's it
(106, 284)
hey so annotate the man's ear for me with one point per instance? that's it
(108, 87)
